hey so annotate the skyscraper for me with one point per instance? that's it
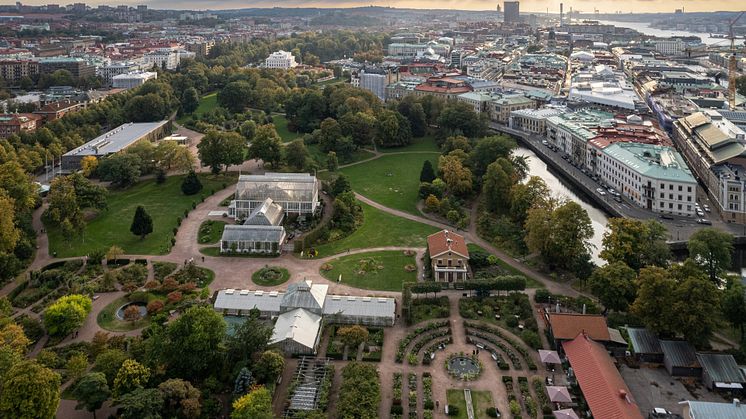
(511, 12)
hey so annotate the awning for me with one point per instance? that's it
(549, 357)
(729, 385)
(559, 394)
(565, 414)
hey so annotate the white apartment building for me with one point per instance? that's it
(280, 59)
(107, 73)
(669, 46)
(532, 120)
(654, 177)
(167, 58)
(374, 82)
(132, 80)
(413, 50)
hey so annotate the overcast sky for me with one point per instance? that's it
(607, 6)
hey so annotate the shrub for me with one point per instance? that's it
(542, 295)
(531, 339)
(515, 408)
(174, 296)
(397, 409)
(492, 412)
(511, 321)
(191, 184)
(453, 410)
(155, 306)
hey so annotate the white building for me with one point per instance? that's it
(532, 120)
(402, 50)
(296, 193)
(107, 73)
(374, 82)
(132, 80)
(669, 46)
(167, 58)
(652, 176)
(280, 59)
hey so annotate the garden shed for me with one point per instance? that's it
(645, 345)
(720, 371)
(680, 359)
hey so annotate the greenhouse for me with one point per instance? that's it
(296, 193)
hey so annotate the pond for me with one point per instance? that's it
(463, 366)
(142, 307)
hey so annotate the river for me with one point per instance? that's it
(536, 167)
(644, 27)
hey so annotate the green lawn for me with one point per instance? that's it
(270, 276)
(456, 398)
(163, 202)
(210, 231)
(481, 400)
(509, 270)
(107, 317)
(206, 103)
(382, 271)
(426, 143)
(281, 126)
(320, 156)
(392, 180)
(380, 229)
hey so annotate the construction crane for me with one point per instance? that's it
(732, 64)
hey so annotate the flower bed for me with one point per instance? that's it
(541, 396)
(397, 391)
(514, 358)
(528, 402)
(412, 396)
(518, 347)
(434, 347)
(414, 334)
(500, 361)
(464, 367)
(427, 393)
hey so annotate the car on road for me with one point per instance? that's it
(601, 191)
(706, 207)
(704, 221)
(617, 198)
(700, 212)
(665, 217)
(545, 142)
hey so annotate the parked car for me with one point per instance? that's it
(706, 208)
(601, 191)
(617, 198)
(545, 142)
(700, 212)
(665, 217)
(704, 221)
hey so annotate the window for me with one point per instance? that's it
(662, 204)
(688, 188)
(663, 195)
(680, 187)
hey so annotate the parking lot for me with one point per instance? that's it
(654, 387)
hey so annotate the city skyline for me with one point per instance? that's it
(536, 6)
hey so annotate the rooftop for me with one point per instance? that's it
(117, 139)
(603, 388)
(567, 326)
(679, 353)
(644, 341)
(253, 233)
(722, 368)
(654, 161)
(445, 240)
(707, 410)
(299, 325)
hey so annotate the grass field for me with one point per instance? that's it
(320, 156)
(392, 180)
(381, 271)
(456, 398)
(206, 103)
(380, 229)
(270, 276)
(210, 231)
(281, 126)
(163, 202)
(509, 270)
(108, 320)
(426, 143)
(481, 400)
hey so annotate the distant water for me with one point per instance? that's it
(644, 27)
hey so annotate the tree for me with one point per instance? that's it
(172, 156)
(146, 108)
(194, 342)
(332, 163)
(269, 366)
(636, 243)
(217, 149)
(360, 126)
(427, 174)
(614, 285)
(189, 100)
(18, 185)
(455, 142)
(711, 249)
(236, 96)
(257, 404)
(525, 195)
(489, 149)
(109, 362)
(459, 118)
(12, 337)
(741, 85)
(497, 184)
(455, 175)
(248, 129)
(296, 155)
(29, 391)
(66, 314)
(415, 115)
(141, 404)
(88, 165)
(559, 232)
(360, 392)
(130, 376)
(393, 129)
(341, 185)
(142, 223)
(733, 302)
(191, 185)
(248, 338)
(243, 382)
(121, 169)
(76, 366)
(114, 252)
(91, 392)
(655, 297)
(180, 397)
(9, 234)
(266, 146)
(353, 336)
(696, 302)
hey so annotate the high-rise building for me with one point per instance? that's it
(512, 12)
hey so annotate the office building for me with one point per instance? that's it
(511, 12)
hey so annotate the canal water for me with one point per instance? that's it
(536, 167)
(644, 28)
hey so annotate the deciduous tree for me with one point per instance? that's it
(711, 249)
(296, 155)
(91, 392)
(614, 285)
(257, 404)
(456, 176)
(655, 297)
(66, 314)
(266, 146)
(353, 336)
(141, 404)
(29, 391)
(636, 243)
(218, 149)
(130, 376)
(269, 366)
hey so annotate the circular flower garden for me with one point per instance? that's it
(464, 367)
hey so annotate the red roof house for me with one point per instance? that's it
(604, 389)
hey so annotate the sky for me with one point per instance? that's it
(604, 6)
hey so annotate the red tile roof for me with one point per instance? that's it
(567, 326)
(446, 240)
(603, 388)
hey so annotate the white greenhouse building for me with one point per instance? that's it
(296, 193)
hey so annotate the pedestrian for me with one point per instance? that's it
(203, 259)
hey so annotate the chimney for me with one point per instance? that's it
(622, 393)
